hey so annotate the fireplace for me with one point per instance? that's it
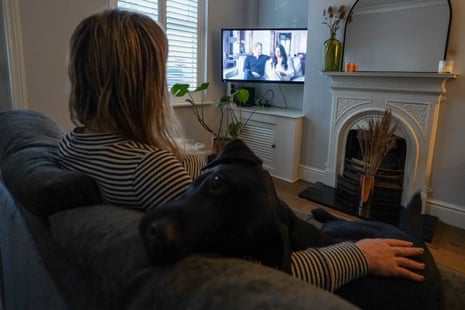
(387, 195)
(414, 100)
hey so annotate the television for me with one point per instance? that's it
(274, 55)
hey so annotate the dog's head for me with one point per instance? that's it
(232, 209)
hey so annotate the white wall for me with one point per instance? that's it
(46, 30)
(5, 91)
(448, 176)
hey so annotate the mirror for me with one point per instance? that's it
(397, 35)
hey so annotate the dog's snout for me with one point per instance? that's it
(153, 230)
(154, 238)
(162, 238)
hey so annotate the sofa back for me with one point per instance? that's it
(29, 166)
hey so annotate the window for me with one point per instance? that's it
(182, 22)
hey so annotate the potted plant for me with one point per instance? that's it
(231, 124)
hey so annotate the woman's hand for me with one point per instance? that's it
(391, 258)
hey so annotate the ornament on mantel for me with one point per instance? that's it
(332, 48)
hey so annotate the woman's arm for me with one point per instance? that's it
(158, 178)
(333, 266)
(194, 163)
(329, 267)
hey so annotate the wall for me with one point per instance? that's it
(46, 30)
(448, 187)
(448, 176)
(5, 92)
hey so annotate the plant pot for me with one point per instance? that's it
(218, 144)
(367, 186)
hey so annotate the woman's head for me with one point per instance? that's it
(280, 52)
(117, 70)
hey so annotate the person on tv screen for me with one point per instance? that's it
(254, 64)
(280, 67)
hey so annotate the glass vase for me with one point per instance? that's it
(367, 186)
(332, 54)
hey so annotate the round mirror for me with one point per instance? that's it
(398, 35)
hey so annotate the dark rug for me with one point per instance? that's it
(422, 225)
(327, 196)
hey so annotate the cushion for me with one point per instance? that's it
(104, 242)
(29, 166)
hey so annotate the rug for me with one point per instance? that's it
(454, 289)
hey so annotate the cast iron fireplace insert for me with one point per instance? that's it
(387, 195)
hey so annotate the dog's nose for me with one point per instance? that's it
(162, 240)
(154, 237)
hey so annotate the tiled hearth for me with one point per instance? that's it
(414, 100)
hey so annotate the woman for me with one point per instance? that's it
(125, 140)
(281, 67)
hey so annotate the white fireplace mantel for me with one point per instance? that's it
(414, 100)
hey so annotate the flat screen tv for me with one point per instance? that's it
(264, 55)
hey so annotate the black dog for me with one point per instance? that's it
(233, 210)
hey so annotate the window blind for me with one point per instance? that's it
(180, 18)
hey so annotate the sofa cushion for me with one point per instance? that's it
(104, 242)
(29, 166)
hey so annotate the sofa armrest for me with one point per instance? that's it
(32, 268)
(104, 242)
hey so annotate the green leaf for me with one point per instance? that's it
(235, 129)
(223, 101)
(179, 90)
(242, 95)
(202, 86)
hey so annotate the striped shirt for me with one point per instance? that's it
(136, 175)
(329, 267)
(128, 173)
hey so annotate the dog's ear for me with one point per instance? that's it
(235, 150)
(286, 249)
(274, 249)
(411, 220)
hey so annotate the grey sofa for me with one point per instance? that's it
(61, 248)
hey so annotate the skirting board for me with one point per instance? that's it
(310, 174)
(447, 212)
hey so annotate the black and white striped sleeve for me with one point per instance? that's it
(159, 178)
(329, 267)
(194, 163)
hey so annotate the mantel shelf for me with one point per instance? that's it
(392, 74)
(431, 83)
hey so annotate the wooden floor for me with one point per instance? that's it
(447, 246)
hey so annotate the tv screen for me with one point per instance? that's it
(264, 55)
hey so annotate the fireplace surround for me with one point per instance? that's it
(414, 100)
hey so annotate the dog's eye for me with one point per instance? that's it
(216, 181)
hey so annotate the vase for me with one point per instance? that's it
(332, 54)
(367, 186)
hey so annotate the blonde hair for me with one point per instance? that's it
(117, 70)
